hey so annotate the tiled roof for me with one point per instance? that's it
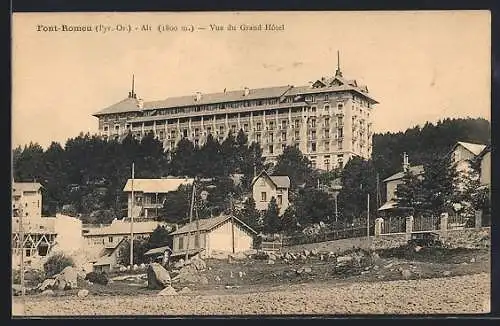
(18, 187)
(156, 185)
(208, 224)
(228, 96)
(128, 104)
(281, 181)
(416, 170)
(159, 250)
(475, 149)
(118, 227)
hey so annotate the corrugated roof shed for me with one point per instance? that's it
(417, 170)
(209, 224)
(123, 228)
(156, 185)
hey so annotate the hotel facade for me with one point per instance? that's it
(328, 120)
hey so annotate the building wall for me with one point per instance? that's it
(145, 204)
(220, 239)
(109, 240)
(486, 169)
(30, 202)
(264, 184)
(328, 131)
(193, 244)
(460, 157)
(69, 233)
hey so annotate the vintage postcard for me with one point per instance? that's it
(251, 163)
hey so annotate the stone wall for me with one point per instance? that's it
(464, 238)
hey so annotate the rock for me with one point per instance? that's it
(199, 264)
(16, 289)
(288, 256)
(376, 267)
(168, 291)
(47, 284)
(270, 262)
(307, 270)
(123, 269)
(272, 256)
(375, 257)
(303, 257)
(240, 274)
(142, 266)
(342, 259)
(231, 274)
(250, 252)
(98, 278)
(365, 272)
(135, 267)
(83, 293)
(239, 256)
(67, 279)
(217, 279)
(306, 252)
(203, 280)
(158, 277)
(446, 273)
(406, 273)
(81, 274)
(418, 248)
(293, 256)
(179, 264)
(48, 292)
(473, 260)
(314, 252)
(185, 290)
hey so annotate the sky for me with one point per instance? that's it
(421, 66)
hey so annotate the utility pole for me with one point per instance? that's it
(21, 236)
(336, 209)
(190, 220)
(368, 217)
(232, 218)
(132, 222)
(378, 192)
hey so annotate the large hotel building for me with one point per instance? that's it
(329, 120)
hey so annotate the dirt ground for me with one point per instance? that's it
(402, 281)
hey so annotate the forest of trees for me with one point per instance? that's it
(85, 176)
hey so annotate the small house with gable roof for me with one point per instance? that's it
(265, 187)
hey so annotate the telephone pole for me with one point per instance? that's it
(232, 218)
(21, 236)
(190, 220)
(368, 217)
(132, 222)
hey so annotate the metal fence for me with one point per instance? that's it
(273, 246)
(326, 236)
(426, 223)
(394, 224)
(458, 222)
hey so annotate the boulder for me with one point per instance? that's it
(203, 280)
(418, 248)
(473, 260)
(344, 259)
(82, 274)
(67, 279)
(446, 273)
(288, 256)
(307, 253)
(142, 266)
(406, 273)
(185, 290)
(135, 267)
(272, 256)
(179, 263)
(240, 255)
(270, 262)
(217, 278)
(48, 292)
(168, 291)
(123, 269)
(47, 284)
(98, 278)
(16, 289)
(307, 270)
(199, 264)
(189, 274)
(83, 293)
(303, 257)
(158, 277)
(314, 252)
(250, 252)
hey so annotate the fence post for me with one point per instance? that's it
(478, 219)
(378, 226)
(409, 227)
(444, 222)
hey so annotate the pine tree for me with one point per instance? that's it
(296, 166)
(159, 238)
(409, 194)
(438, 184)
(272, 223)
(183, 159)
(250, 215)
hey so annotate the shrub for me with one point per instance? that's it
(98, 278)
(56, 263)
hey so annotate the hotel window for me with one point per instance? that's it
(258, 138)
(340, 160)
(263, 196)
(313, 109)
(313, 147)
(106, 128)
(245, 127)
(271, 149)
(341, 132)
(221, 130)
(340, 144)
(297, 123)
(283, 136)
(181, 242)
(110, 239)
(327, 122)
(283, 146)
(209, 130)
(283, 124)
(197, 241)
(271, 125)
(185, 133)
(327, 146)
(233, 128)
(161, 135)
(327, 133)
(127, 126)
(326, 97)
(172, 145)
(340, 106)
(313, 134)
(313, 164)
(280, 200)
(297, 135)
(196, 132)
(259, 126)
(271, 137)
(327, 108)
(313, 99)
(313, 123)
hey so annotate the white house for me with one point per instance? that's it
(216, 234)
(27, 197)
(264, 187)
(462, 153)
(150, 194)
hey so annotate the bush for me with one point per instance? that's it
(56, 263)
(98, 278)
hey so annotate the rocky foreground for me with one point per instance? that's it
(460, 294)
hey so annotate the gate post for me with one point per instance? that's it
(378, 226)
(409, 227)
(443, 222)
(478, 219)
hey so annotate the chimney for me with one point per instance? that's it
(247, 91)
(140, 104)
(406, 165)
(198, 96)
